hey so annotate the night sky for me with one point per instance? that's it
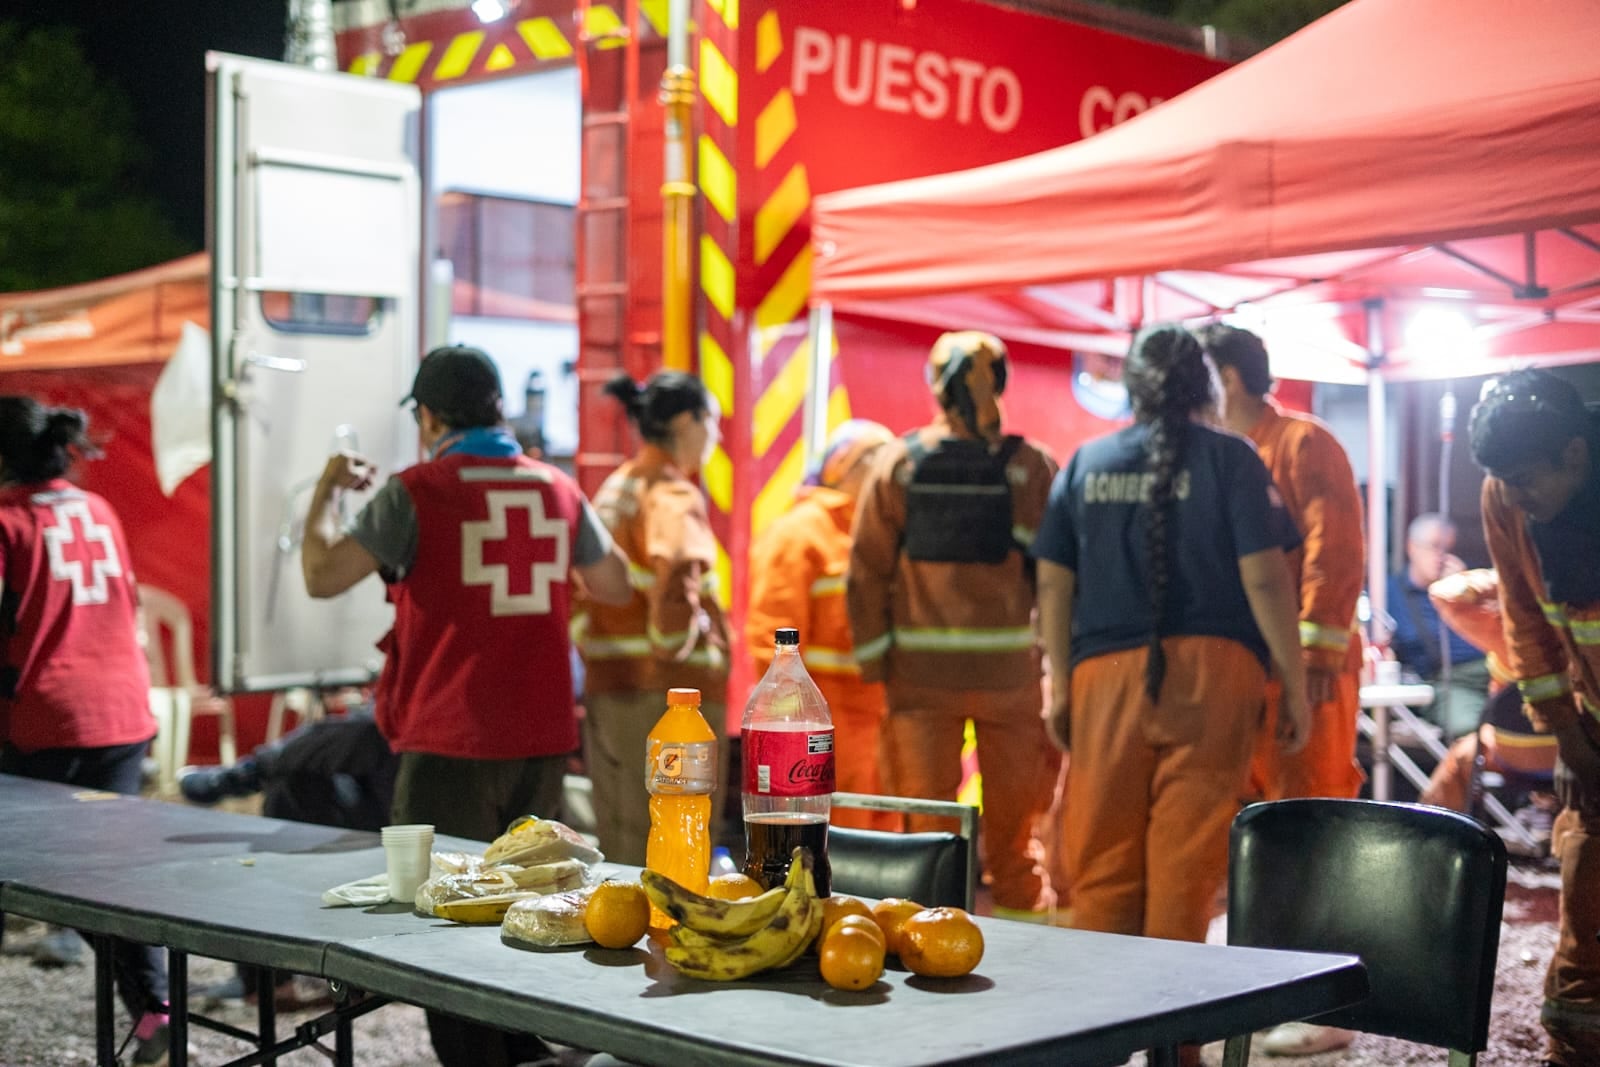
(154, 51)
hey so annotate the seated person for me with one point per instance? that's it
(1505, 742)
(1463, 689)
(336, 771)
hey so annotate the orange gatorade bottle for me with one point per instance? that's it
(680, 772)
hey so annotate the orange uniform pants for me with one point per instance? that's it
(1327, 766)
(921, 757)
(1154, 787)
(856, 726)
(1571, 1013)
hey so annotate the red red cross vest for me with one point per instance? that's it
(477, 664)
(72, 674)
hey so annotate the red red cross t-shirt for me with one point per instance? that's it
(74, 675)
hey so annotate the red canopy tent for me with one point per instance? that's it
(1388, 158)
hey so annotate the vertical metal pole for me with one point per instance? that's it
(677, 195)
(1377, 534)
(819, 376)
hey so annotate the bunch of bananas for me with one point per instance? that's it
(724, 940)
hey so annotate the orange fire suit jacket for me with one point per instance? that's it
(658, 517)
(797, 578)
(1552, 649)
(958, 626)
(1311, 470)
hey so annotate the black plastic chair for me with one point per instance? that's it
(936, 869)
(1415, 892)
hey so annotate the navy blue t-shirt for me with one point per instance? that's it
(1225, 507)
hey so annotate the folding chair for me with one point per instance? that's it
(1414, 891)
(936, 869)
(176, 695)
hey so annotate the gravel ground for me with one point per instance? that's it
(47, 1017)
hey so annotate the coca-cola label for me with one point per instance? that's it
(788, 763)
(682, 767)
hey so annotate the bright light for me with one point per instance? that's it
(1440, 335)
(488, 10)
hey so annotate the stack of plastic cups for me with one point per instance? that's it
(408, 850)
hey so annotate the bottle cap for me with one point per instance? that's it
(787, 635)
(683, 696)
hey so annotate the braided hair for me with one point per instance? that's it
(1168, 380)
(36, 442)
(652, 406)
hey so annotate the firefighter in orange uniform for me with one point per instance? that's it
(941, 598)
(1540, 446)
(672, 633)
(797, 570)
(1313, 474)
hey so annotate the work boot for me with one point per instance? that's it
(208, 785)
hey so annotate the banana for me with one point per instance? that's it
(478, 909)
(725, 919)
(779, 942)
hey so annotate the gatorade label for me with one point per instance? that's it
(788, 763)
(682, 767)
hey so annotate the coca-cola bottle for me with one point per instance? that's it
(787, 742)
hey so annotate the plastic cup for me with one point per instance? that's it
(1387, 672)
(408, 851)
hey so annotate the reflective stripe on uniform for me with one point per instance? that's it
(1008, 639)
(1554, 614)
(615, 648)
(874, 649)
(828, 585)
(1585, 631)
(1543, 688)
(640, 578)
(829, 661)
(1315, 635)
(704, 655)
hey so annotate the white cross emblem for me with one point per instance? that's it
(475, 570)
(83, 568)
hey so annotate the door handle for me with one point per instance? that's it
(278, 363)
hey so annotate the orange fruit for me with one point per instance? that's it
(618, 913)
(835, 908)
(857, 922)
(851, 959)
(940, 943)
(733, 886)
(890, 914)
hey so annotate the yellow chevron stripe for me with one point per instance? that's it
(769, 41)
(716, 276)
(776, 496)
(655, 13)
(717, 477)
(500, 58)
(724, 577)
(783, 209)
(408, 64)
(716, 371)
(366, 63)
(728, 9)
(774, 126)
(544, 38)
(717, 180)
(604, 27)
(719, 84)
(786, 300)
(780, 401)
(458, 57)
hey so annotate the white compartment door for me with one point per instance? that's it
(314, 225)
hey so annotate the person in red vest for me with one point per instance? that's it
(476, 545)
(74, 684)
